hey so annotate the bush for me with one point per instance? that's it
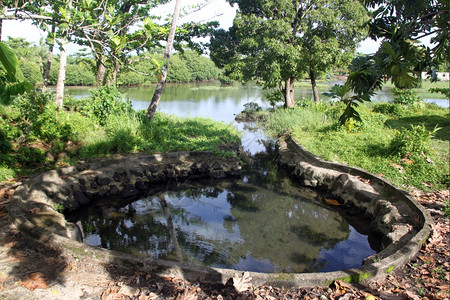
(30, 157)
(38, 115)
(5, 142)
(390, 109)
(413, 143)
(104, 102)
(79, 74)
(406, 97)
(32, 72)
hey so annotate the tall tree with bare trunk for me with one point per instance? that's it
(163, 72)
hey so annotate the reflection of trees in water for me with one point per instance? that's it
(284, 232)
(287, 231)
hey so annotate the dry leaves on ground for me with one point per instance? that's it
(35, 280)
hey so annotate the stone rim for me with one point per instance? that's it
(57, 230)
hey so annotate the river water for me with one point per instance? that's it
(262, 222)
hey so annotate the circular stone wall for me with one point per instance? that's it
(37, 204)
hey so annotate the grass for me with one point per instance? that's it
(423, 91)
(370, 145)
(22, 153)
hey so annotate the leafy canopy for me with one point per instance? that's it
(272, 41)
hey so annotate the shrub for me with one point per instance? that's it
(5, 142)
(274, 97)
(390, 109)
(79, 74)
(32, 72)
(38, 115)
(104, 102)
(406, 97)
(30, 157)
(412, 143)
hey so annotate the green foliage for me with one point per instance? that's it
(444, 91)
(390, 109)
(104, 102)
(276, 41)
(178, 71)
(406, 97)
(370, 146)
(38, 116)
(341, 93)
(11, 79)
(77, 73)
(5, 141)
(275, 97)
(252, 107)
(31, 72)
(412, 143)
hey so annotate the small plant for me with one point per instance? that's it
(446, 208)
(406, 97)
(390, 109)
(275, 97)
(413, 142)
(252, 107)
(351, 125)
(104, 102)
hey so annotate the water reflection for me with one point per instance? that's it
(264, 223)
(232, 225)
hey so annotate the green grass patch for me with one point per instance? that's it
(34, 136)
(424, 90)
(125, 134)
(375, 144)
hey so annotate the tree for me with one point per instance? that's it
(163, 73)
(401, 23)
(11, 79)
(276, 42)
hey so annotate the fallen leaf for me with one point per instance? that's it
(34, 210)
(188, 294)
(332, 202)
(426, 259)
(411, 295)
(35, 280)
(407, 161)
(55, 292)
(241, 283)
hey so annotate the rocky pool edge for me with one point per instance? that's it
(35, 205)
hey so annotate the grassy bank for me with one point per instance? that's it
(393, 141)
(424, 91)
(34, 136)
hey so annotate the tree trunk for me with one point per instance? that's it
(289, 101)
(100, 71)
(48, 64)
(312, 76)
(160, 86)
(61, 75)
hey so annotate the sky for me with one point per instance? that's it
(216, 10)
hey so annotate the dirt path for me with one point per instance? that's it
(32, 270)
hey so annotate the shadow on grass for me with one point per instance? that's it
(429, 121)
